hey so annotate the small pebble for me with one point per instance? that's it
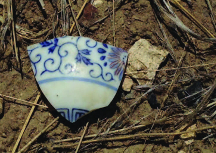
(127, 84)
(4, 135)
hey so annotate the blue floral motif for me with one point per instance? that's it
(107, 77)
(101, 50)
(49, 43)
(81, 58)
(114, 61)
(118, 59)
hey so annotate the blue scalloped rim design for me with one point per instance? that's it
(72, 114)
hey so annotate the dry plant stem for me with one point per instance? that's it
(211, 13)
(200, 107)
(77, 149)
(168, 45)
(116, 131)
(202, 91)
(113, 22)
(38, 135)
(132, 105)
(25, 124)
(77, 17)
(42, 4)
(102, 19)
(74, 17)
(13, 30)
(135, 136)
(186, 67)
(23, 102)
(193, 19)
(28, 34)
(203, 103)
(176, 76)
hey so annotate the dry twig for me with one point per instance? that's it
(20, 101)
(211, 13)
(193, 19)
(11, 18)
(168, 45)
(42, 4)
(38, 135)
(203, 104)
(25, 124)
(171, 69)
(131, 128)
(113, 22)
(78, 15)
(77, 149)
(176, 76)
(135, 136)
(75, 19)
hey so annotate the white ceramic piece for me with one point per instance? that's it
(77, 74)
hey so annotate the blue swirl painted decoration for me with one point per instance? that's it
(77, 59)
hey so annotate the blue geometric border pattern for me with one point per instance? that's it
(64, 112)
(79, 79)
(77, 113)
(72, 115)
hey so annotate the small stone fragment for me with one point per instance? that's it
(4, 135)
(127, 84)
(147, 58)
(97, 3)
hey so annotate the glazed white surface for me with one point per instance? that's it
(77, 73)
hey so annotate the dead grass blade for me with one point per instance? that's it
(75, 19)
(64, 15)
(25, 124)
(168, 45)
(176, 76)
(20, 101)
(203, 104)
(130, 108)
(135, 136)
(42, 4)
(78, 15)
(180, 24)
(77, 149)
(37, 136)
(167, 10)
(211, 13)
(124, 130)
(11, 17)
(114, 23)
(30, 35)
(171, 69)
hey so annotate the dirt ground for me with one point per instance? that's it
(134, 19)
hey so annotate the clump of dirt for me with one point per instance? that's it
(134, 19)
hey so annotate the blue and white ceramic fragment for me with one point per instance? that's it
(77, 74)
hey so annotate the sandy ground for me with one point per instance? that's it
(133, 20)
